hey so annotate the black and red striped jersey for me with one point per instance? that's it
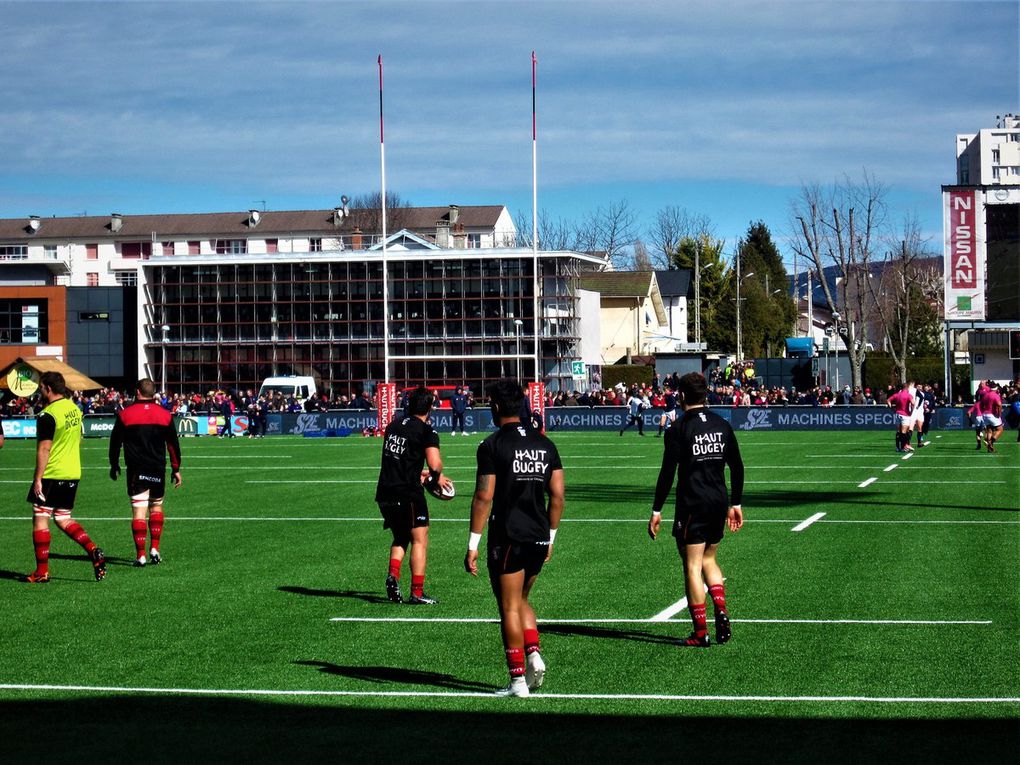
(148, 434)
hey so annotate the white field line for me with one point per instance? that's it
(668, 613)
(907, 456)
(490, 695)
(891, 468)
(867, 483)
(656, 620)
(377, 519)
(808, 521)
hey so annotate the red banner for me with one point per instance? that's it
(963, 240)
(387, 395)
(536, 398)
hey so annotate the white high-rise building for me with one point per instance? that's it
(990, 157)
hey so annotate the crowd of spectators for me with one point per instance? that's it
(733, 386)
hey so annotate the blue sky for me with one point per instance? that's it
(723, 108)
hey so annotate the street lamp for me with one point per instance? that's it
(518, 324)
(165, 329)
(740, 346)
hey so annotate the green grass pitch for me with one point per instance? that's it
(887, 625)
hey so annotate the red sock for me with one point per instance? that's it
(41, 541)
(417, 584)
(530, 642)
(138, 534)
(718, 597)
(395, 567)
(155, 527)
(698, 617)
(515, 661)
(77, 533)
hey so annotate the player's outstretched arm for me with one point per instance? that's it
(481, 503)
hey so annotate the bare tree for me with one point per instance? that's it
(642, 260)
(609, 231)
(840, 227)
(553, 234)
(672, 225)
(366, 212)
(908, 275)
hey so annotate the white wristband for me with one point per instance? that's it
(473, 541)
(736, 507)
(552, 535)
(656, 512)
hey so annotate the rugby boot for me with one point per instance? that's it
(696, 641)
(393, 589)
(140, 563)
(422, 600)
(98, 563)
(722, 627)
(534, 672)
(36, 578)
(518, 687)
(154, 557)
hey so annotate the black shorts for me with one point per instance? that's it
(403, 516)
(139, 482)
(699, 526)
(511, 557)
(59, 494)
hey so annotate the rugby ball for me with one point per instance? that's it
(433, 488)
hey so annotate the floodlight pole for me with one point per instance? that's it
(382, 208)
(534, 213)
(165, 329)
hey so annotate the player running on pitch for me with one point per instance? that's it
(409, 444)
(147, 432)
(991, 414)
(519, 493)
(903, 402)
(696, 450)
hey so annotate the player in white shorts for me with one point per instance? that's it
(917, 415)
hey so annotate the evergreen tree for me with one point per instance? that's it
(768, 312)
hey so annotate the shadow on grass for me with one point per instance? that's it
(110, 560)
(188, 728)
(368, 597)
(398, 675)
(586, 630)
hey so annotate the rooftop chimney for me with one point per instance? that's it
(454, 214)
(254, 216)
(33, 224)
(116, 222)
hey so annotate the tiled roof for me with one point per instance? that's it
(618, 283)
(673, 283)
(235, 224)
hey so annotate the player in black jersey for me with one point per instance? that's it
(697, 449)
(668, 412)
(519, 493)
(408, 445)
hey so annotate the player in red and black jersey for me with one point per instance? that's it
(697, 449)
(519, 493)
(147, 432)
(409, 443)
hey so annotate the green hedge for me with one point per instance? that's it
(627, 374)
(880, 370)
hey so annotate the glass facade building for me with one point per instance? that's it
(455, 316)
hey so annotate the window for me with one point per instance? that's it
(272, 245)
(91, 251)
(231, 246)
(1013, 137)
(315, 245)
(124, 278)
(13, 251)
(996, 173)
(136, 249)
(92, 279)
(474, 241)
(194, 248)
(168, 248)
(995, 156)
(50, 251)
(23, 323)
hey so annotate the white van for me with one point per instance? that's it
(289, 385)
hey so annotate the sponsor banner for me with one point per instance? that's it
(952, 419)
(387, 393)
(19, 428)
(98, 425)
(814, 418)
(964, 253)
(186, 426)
